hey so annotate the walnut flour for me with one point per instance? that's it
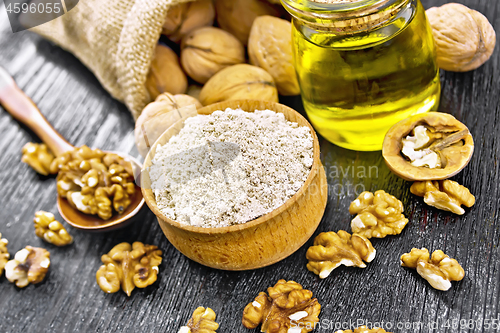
(230, 167)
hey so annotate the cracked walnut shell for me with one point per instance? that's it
(159, 115)
(38, 156)
(207, 50)
(444, 194)
(441, 134)
(4, 254)
(464, 38)
(270, 47)
(94, 182)
(129, 266)
(185, 17)
(240, 81)
(378, 215)
(439, 270)
(285, 306)
(330, 250)
(50, 230)
(202, 321)
(364, 329)
(30, 265)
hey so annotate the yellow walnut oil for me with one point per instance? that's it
(357, 81)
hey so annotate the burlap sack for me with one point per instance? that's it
(116, 40)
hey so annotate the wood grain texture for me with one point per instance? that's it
(69, 300)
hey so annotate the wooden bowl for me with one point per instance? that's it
(262, 241)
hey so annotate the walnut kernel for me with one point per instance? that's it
(202, 321)
(270, 47)
(330, 250)
(286, 306)
(464, 38)
(129, 266)
(438, 271)
(444, 194)
(165, 74)
(38, 156)
(4, 253)
(186, 17)
(379, 215)
(50, 230)
(240, 81)
(364, 329)
(30, 265)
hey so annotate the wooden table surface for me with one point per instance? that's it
(69, 300)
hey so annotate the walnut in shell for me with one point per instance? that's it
(240, 81)
(165, 74)
(439, 270)
(378, 215)
(464, 37)
(237, 16)
(30, 265)
(442, 136)
(129, 266)
(444, 194)
(202, 321)
(207, 50)
(38, 156)
(186, 17)
(159, 115)
(270, 47)
(4, 254)
(330, 250)
(285, 307)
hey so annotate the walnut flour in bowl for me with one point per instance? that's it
(230, 167)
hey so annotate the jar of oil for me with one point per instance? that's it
(362, 66)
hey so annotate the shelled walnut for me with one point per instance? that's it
(379, 215)
(364, 329)
(287, 306)
(30, 265)
(240, 81)
(464, 37)
(50, 230)
(429, 146)
(159, 115)
(94, 182)
(444, 194)
(38, 156)
(330, 250)
(202, 321)
(270, 47)
(207, 50)
(438, 271)
(129, 266)
(4, 254)
(186, 17)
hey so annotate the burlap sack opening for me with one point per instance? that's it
(116, 40)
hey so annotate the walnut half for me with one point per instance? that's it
(286, 307)
(379, 215)
(129, 266)
(364, 329)
(30, 265)
(50, 230)
(38, 156)
(444, 194)
(330, 250)
(202, 321)
(4, 254)
(439, 270)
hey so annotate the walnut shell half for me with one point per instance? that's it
(453, 143)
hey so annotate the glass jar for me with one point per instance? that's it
(362, 66)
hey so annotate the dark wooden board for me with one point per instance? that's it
(69, 300)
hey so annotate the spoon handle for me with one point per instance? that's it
(22, 108)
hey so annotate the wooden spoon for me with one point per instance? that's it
(22, 108)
